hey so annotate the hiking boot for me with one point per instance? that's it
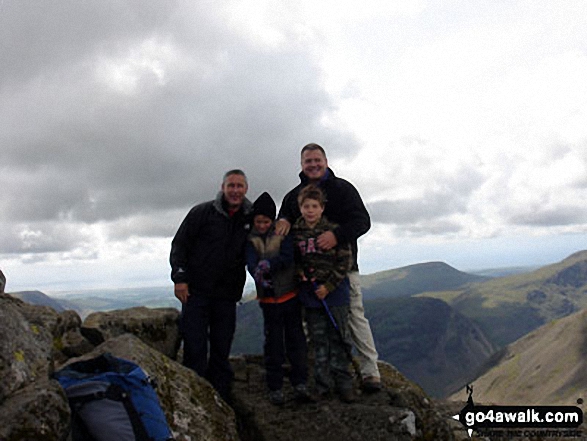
(301, 394)
(371, 384)
(347, 396)
(276, 397)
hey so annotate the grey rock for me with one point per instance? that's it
(400, 412)
(25, 347)
(156, 327)
(38, 411)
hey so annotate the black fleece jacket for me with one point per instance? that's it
(208, 250)
(344, 207)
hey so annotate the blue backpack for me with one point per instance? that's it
(112, 399)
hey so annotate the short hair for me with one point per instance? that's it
(311, 192)
(311, 147)
(236, 171)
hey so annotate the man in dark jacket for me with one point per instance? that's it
(208, 269)
(344, 207)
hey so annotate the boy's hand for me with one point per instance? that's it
(181, 292)
(327, 240)
(321, 292)
(282, 227)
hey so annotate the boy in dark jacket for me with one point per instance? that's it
(270, 260)
(325, 294)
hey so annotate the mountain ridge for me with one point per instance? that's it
(414, 279)
(547, 366)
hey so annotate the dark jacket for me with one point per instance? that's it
(328, 268)
(344, 207)
(208, 250)
(279, 251)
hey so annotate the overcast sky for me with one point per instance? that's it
(462, 123)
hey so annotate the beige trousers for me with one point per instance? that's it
(361, 330)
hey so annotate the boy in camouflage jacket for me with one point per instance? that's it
(324, 277)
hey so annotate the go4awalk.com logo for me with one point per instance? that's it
(554, 421)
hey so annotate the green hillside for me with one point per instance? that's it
(509, 307)
(545, 367)
(414, 279)
(428, 341)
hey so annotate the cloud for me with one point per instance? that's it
(410, 211)
(47, 237)
(120, 112)
(560, 215)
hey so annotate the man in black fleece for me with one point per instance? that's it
(208, 269)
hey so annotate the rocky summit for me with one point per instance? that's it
(37, 340)
(400, 412)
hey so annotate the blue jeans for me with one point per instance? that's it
(206, 320)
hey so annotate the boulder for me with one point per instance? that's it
(193, 409)
(38, 411)
(69, 342)
(25, 347)
(402, 411)
(32, 407)
(158, 327)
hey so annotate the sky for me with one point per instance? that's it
(463, 124)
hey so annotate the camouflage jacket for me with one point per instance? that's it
(329, 267)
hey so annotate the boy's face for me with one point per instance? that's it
(262, 223)
(311, 211)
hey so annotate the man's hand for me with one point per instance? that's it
(182, 292)
(321, 292)
(327, 240)
(282, 227)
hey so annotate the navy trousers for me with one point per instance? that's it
(284, 335)
(208, 321)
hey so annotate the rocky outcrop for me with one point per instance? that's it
(38, 411)
(158, 328)
(35, 340)
(401, 412)
(25, 346)
(32, 406)
(575, 276)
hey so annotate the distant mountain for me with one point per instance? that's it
(414, 279)
(428, 341)
(508, 308)
(39, 298)
(547, 366)
(503, 272)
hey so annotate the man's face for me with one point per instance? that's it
(234, 188)
(314, 164)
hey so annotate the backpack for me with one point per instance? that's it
(112, 399)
